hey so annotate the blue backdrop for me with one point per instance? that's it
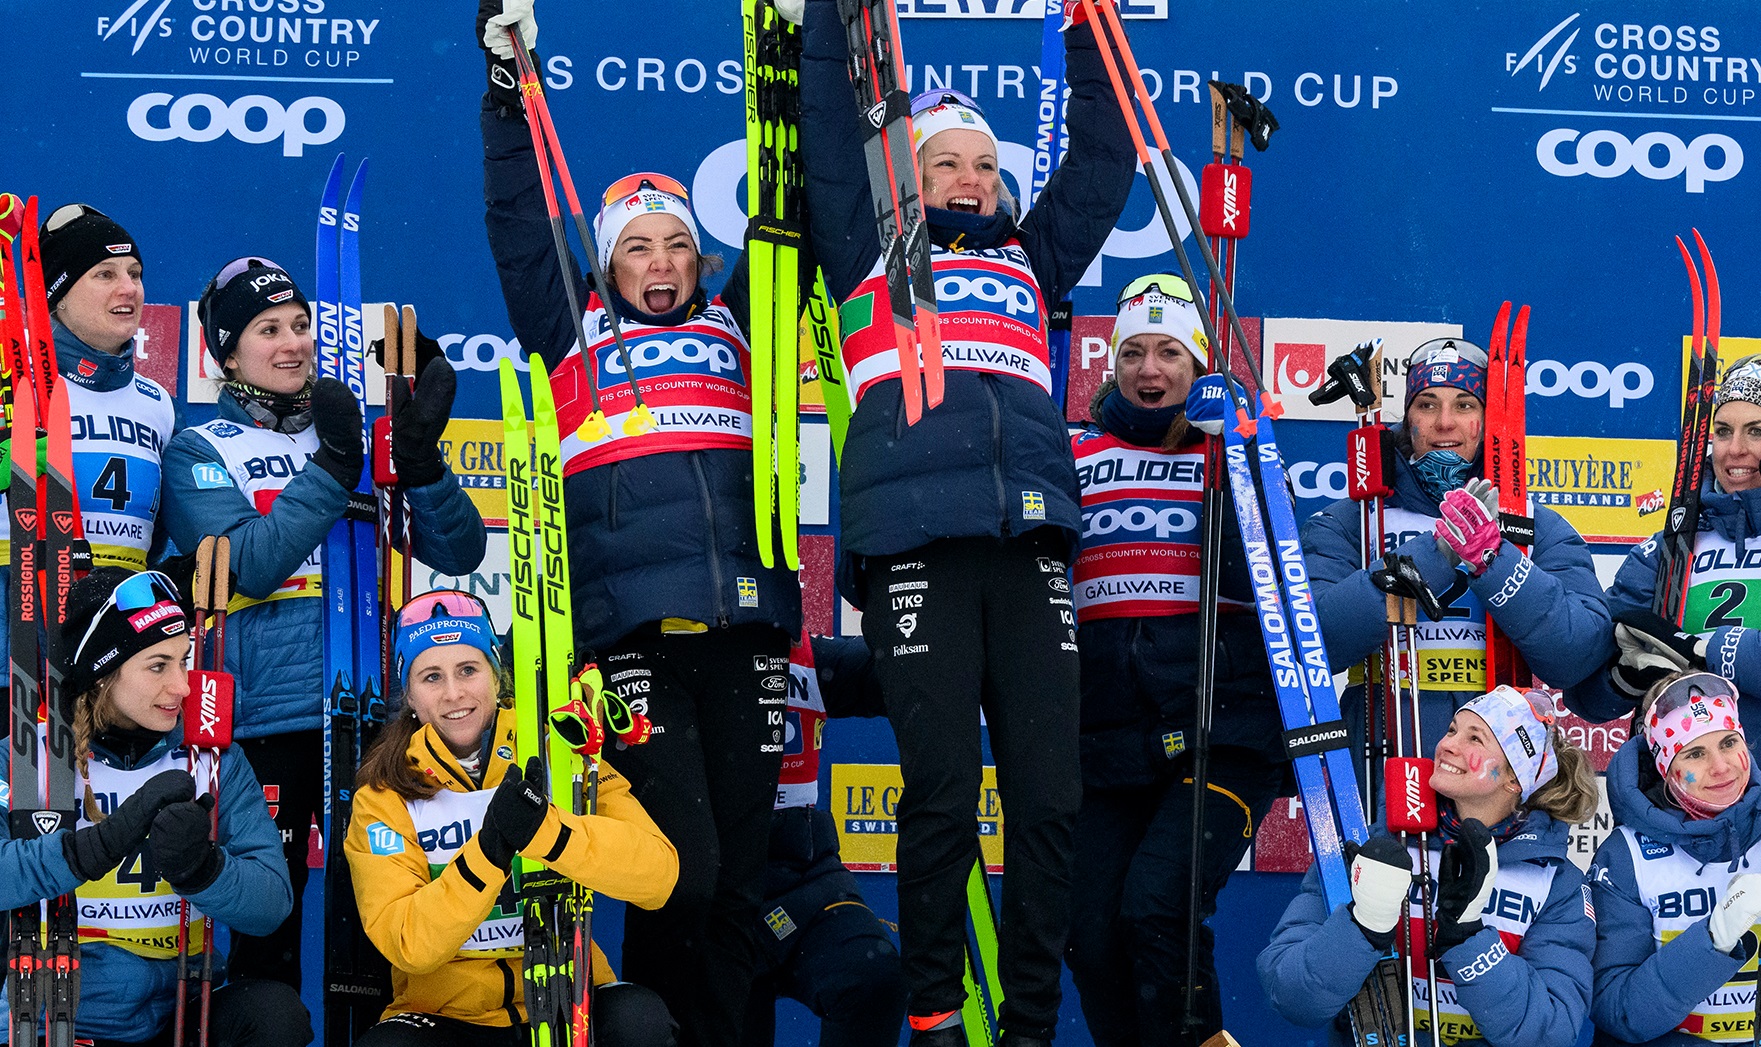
(1434, 160)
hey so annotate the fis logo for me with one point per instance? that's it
(1544, 63)
(143, 29)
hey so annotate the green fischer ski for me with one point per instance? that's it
(822, 322)
(984, 1003)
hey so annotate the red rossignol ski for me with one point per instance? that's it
(1675, 565)
(207, 732)
(1506, 468)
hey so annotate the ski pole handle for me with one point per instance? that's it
(207, 710)
(1411, 805)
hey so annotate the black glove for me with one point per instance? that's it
(1464, 885)
(180, 849)
(504, 75)
(417, 421)
(336, 415)
(1651, 648)
(1400, 576)
(95, 850)
(426, 349)
(515, 812)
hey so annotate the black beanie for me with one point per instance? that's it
(151, 612)
(242, 289)
(74, 239)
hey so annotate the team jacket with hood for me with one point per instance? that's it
(233, 477)
(1523, 984)
(994, 458)
(1655, 880)
(127, 993)
(1548, 602)
(445, 917)
(1724, 602)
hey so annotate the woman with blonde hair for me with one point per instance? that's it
(1514, 929)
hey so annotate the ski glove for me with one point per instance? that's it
(180, 849)
(1465, 874)
(1400, 576)
(1207, 404)
(417, 421)
(494, 17)
(336, 415)
(1739, 910)
(1651, 649)
(1468, 535)
(1381, 879)
(515, 812)
(95, 850)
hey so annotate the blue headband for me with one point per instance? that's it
(412, 640)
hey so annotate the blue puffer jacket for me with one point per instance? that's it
(103, 372)
(1555, 615)
(1732, 651)
(1536, 996)
(275, 650)
(963, 469)
(669, 535)
(1643, 992)
(128, 997)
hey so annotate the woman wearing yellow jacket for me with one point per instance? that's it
(431, 842)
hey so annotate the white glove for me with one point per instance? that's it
(791, 10)
(517, 13)
(1381, 877)
(1737, 912)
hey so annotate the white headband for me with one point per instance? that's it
(618, 215)
(949, 116)
(1156, 313)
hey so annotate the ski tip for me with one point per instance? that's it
(639, 421)
(593, 428)
(11, 216)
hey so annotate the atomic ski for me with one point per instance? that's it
(354, 975)
(876, 65)
(1675, 564)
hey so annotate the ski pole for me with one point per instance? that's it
(546, 144)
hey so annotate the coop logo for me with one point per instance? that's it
(1543, 61)
(142, 29)
(1591, 380)
(1610, 154)
(1298, 367)
(1318, 479)
(989, 292)
(654, 357)
(252, 119)
(481, 352)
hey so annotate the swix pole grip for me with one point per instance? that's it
(1367, 472)
(1411, 802)
(207, 710)
(1225, 194)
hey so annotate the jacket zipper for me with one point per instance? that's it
(715, 566)
(997, 446)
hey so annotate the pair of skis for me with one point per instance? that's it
(355, 981)
(1675, 566)
(1506, 468)
(559, 716)
(207, 732)
(547, 149)
(1315, 734)
(876, 68)
(776, 236)
(48, 554)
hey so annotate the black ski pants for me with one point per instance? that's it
(956, 626)
(1134, 860)
(252, 1013)
(624, 1015)
(291, 768)
(708, 778)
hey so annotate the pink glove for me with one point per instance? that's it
(1468, 530)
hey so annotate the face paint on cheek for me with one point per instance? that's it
(1688, 778)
